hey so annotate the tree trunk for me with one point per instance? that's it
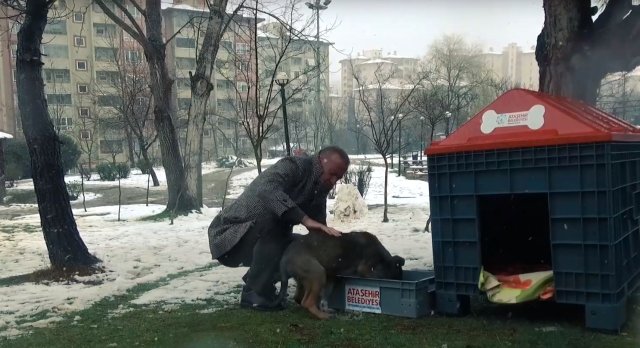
(132, 157)
(3, 190)
(574, 52)
(257, 152)
(201, 88)
(64, 244)
(145, 157)
(180, 199)
(385, 218)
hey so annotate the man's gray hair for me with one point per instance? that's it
(337, 150)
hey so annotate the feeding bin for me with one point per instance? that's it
(411, 297)
(535, 181)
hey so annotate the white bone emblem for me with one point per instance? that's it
(534, 119)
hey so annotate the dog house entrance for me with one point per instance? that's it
(514, 233)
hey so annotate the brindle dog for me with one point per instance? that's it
(314, 259)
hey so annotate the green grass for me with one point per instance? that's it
(188, 326)
(19, 228)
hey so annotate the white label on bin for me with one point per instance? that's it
(362, 299)
(533, 118)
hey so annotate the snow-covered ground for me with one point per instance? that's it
(136, 252)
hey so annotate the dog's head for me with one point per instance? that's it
(378, 262)
(387, 268)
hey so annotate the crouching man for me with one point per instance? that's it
(255, 229)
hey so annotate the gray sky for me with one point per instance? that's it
(409, 26)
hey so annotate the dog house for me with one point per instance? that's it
(538, 182)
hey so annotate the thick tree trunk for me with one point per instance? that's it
(64, 244)
(201, 88)
(574, 52)
(257, 152)
(180, 199)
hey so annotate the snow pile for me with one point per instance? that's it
(349, 204)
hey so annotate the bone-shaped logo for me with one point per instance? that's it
(534, 119)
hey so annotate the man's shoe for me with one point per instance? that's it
(250, 299)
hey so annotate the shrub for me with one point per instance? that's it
(122, 170)
(360, 177)
(74, 189)
(69, 152)
(17, 160)
(107, 172)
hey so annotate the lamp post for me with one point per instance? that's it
(421, 137)
(447, 116)
(391, 135)
(316, 6)
(400, 116)
(282, 80)
(358, 138)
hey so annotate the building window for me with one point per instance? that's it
(14, 51)
(297, 61)
(85, 134)
(104, 54)
(104, 30)
(242, 66)
(133, 10)
(78, 17)
(185, 42)
(224, 84)
(110, 146)
(56, 27)
(242, 48)
(14, 74)
(207, 133)
(107, 77)
(81, 65)
(83, 112)
(83, 89)
(243, 87)
(108, 4)
(59, 99)
(57, 75)
(228, 45)
(108, 100)
(79, 41)
(296, 74)
(185, 63)
(132, 56)
(64, 123)
(55, 51)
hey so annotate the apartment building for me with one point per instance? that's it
(517, 67)
(86, 55)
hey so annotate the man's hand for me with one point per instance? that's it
(312, 224)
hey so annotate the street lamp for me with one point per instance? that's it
(400, 116)
(391, 135)
(316, 6)
(358, 138)
(281, 80)
(421, 137)
(447, 116)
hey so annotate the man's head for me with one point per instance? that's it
(335, 163)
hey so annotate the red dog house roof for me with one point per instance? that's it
(524, 118)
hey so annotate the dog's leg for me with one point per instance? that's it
(315, 280)
(299, 293)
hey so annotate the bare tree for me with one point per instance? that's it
(620, 96)
(150, 38)
(456, 76)
(380, 99)
(86, 131)
(133, 99)
(253, 71)
(66, 249)
(580, 44)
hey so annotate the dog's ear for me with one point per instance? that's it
(397, 260)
